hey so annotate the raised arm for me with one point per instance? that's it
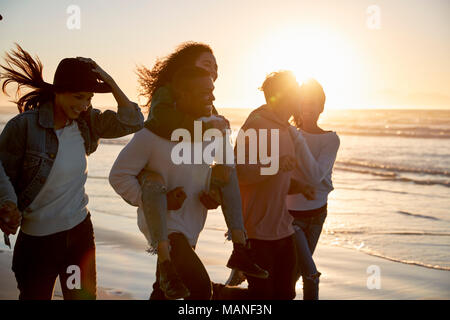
(314, 170)
(109, 124)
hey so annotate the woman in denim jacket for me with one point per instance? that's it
(43, 152)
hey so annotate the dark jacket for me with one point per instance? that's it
(28, 144)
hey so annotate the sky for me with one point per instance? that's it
(366, 54)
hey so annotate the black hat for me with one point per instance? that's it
(74, 75)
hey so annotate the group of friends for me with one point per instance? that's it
(274, 220)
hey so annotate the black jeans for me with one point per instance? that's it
(70, 254)
(278, 257)
(190, 269)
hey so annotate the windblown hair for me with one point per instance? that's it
(165, 68)
(21, 68)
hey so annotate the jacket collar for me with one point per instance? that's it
(46, 115)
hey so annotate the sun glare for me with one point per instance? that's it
(311, 53)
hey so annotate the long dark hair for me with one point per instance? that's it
(165, 68)
(21, 68)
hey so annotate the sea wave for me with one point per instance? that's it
(339, 186)
(391, 176)
(345, 243)
(411, 262)
(416, 215)
(426, 133)
(396, 233)
(393, 168)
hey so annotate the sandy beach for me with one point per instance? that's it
(125, 271)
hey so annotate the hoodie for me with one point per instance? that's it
(265, 213)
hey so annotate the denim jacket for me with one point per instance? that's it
(28, 146)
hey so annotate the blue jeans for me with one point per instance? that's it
(155, 210)
(155, 207)
(231, 201)
(308, 226)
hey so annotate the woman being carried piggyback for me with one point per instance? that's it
(159, 208)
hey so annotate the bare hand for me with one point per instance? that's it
(175, 198)
(211, 199)
(309, 192)
(102, 75)
(287, 163)
(10, 218)
(222, 124)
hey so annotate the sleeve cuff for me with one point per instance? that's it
(130, 116)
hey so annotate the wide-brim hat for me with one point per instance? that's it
(74, 75)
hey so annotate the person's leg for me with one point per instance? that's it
(189, 267)
(224, 292)
(284, 269)
(78, 276)
(157, 293)
(262, 252)
(155, 210)
(35, 265)
(225, 179)
(315, 228)
(312, 233)
(305, 261)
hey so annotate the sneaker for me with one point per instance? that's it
(240, 260)
(236, 278)
(170, 283)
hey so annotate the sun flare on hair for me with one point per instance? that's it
(311, 53)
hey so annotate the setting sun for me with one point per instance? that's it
(311, 52)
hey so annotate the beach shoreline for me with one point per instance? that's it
(347, 274)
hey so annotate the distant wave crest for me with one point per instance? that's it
(393, 168)
(393, 172)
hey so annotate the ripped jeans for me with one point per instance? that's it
(308, 226)
(155, 205)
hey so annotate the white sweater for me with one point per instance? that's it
(316, 154)
(148, 150)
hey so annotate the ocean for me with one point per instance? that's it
(391, 180)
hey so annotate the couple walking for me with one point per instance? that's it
(172, 199)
